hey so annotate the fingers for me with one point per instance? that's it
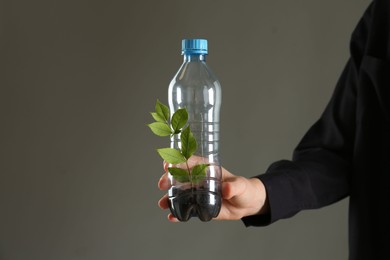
(164, 183)
(195, 160)
(172, 218)
(164, 204)
(166, 165)
(192, 161)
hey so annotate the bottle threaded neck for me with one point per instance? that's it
(194, 57)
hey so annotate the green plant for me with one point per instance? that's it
(177, 125)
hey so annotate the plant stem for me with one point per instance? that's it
(189, 172)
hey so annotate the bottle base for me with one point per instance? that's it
(195, 202)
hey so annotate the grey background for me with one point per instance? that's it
(78, 169)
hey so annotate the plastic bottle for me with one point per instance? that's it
(197, 89)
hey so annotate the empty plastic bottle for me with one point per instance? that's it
(197, 89)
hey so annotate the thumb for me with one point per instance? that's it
(233, 187)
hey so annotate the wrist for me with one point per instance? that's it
(260, 201)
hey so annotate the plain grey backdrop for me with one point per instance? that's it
(78, 167)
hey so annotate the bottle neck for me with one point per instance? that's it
(194, 57)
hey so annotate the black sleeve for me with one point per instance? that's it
(319, 172)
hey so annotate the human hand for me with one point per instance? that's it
(240, 196)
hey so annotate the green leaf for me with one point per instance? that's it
(171, 155)
(188, 143)
(179, 174)
(160, 129)
(162, 110)
(179, 119)
(199, 173)
(157, 117)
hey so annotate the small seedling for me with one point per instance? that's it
(177, 125)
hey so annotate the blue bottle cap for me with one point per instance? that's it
(194, 46)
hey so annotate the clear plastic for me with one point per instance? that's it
(197, 89)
